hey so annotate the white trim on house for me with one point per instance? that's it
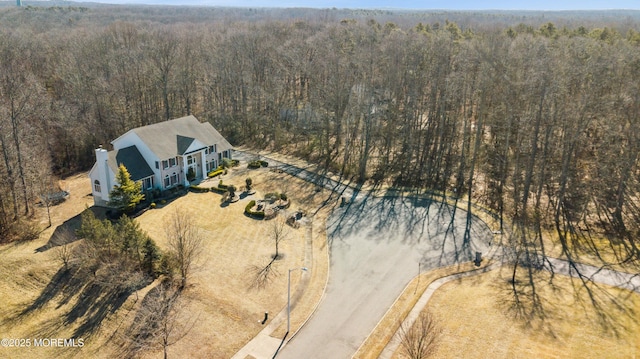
(137, 146)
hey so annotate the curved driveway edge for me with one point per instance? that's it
(393, 344)
(597, 275)
(375, 246)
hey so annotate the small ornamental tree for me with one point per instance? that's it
(191, 175)
(248, 182)
(127, 193)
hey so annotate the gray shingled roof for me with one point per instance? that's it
(132, 160)
(169, 139)
(184, 143)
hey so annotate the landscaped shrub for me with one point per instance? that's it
(219, 190)
(283, 196)
(191, 174)
(247, 209)
(198, 189)
(228, 163)
(264, 163)
(152, 205)
(254, 164)
(218, 171)
(232, 190)
(256, 214)
(155, 193)
(222, 186)
(272, 196)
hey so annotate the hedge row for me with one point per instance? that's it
(198, 189)
(248, 211)
(222, 189)
(215, 172)
(219, 190)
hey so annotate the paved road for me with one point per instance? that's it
(375, 247)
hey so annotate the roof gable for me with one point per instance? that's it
(131, 158)
(183, 143)
(195, 146)
(176, 137)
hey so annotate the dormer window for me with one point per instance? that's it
(96, 186)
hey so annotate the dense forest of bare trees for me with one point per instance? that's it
(536, 120)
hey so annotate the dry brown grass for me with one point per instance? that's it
(477, 323)
(26, 272)
(230, 310)
(389, 324)
(227, 310)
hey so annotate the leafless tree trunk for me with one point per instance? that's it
(185, 242)
(420, 341)
(161, 322)
(63, 249)
(278, 233)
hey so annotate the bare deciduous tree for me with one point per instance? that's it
(263, 274)
(185, 242)
(64, 250)
(160, 323)
(278, 233)
(421, 339)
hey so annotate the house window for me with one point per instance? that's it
(167, 182)
(96, 186)
(190, 160)
(157, 165)
(165, 164)
(172, 162)
(212, 149)
(174, 178)
(147, 183)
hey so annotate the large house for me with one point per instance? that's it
(160, 156)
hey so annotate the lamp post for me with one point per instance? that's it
(289, 296)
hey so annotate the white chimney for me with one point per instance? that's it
(102, 166)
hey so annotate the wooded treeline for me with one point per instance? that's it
(538, 122)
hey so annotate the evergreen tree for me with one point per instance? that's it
(151, 256)
(127, 193)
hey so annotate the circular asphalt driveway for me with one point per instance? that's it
(377, 245)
